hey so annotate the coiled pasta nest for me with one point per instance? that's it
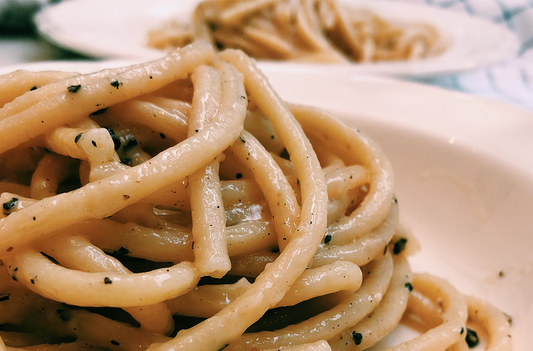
(181, 204)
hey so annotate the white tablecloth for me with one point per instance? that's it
(510, 81)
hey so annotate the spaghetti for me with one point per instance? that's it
(181, 204)
(301, 30)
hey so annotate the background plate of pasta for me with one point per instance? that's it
(383, 37)
(197, 202)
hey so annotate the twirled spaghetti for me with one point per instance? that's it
(301, 30)
(181, 204)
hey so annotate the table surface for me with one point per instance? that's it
(29, 47)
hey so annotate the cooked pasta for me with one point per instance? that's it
(301, 30)
(180, 204)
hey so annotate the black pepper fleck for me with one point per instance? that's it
(115, 83)
(77, 138)
(107, 281)
(34, 88)
(357, 338)
(399, 246)
(471, 338)
(238, 175)
(409, 286)
(114, 342)
(74, 88)
(10, 204)
(327, 238)
(4, 297)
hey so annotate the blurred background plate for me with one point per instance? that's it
(118, 29)
(463, 171)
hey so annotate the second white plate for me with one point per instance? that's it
(119, 28)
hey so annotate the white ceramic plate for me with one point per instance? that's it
(464, 176)
(118, 29)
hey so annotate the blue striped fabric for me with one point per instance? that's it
(510, 81)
